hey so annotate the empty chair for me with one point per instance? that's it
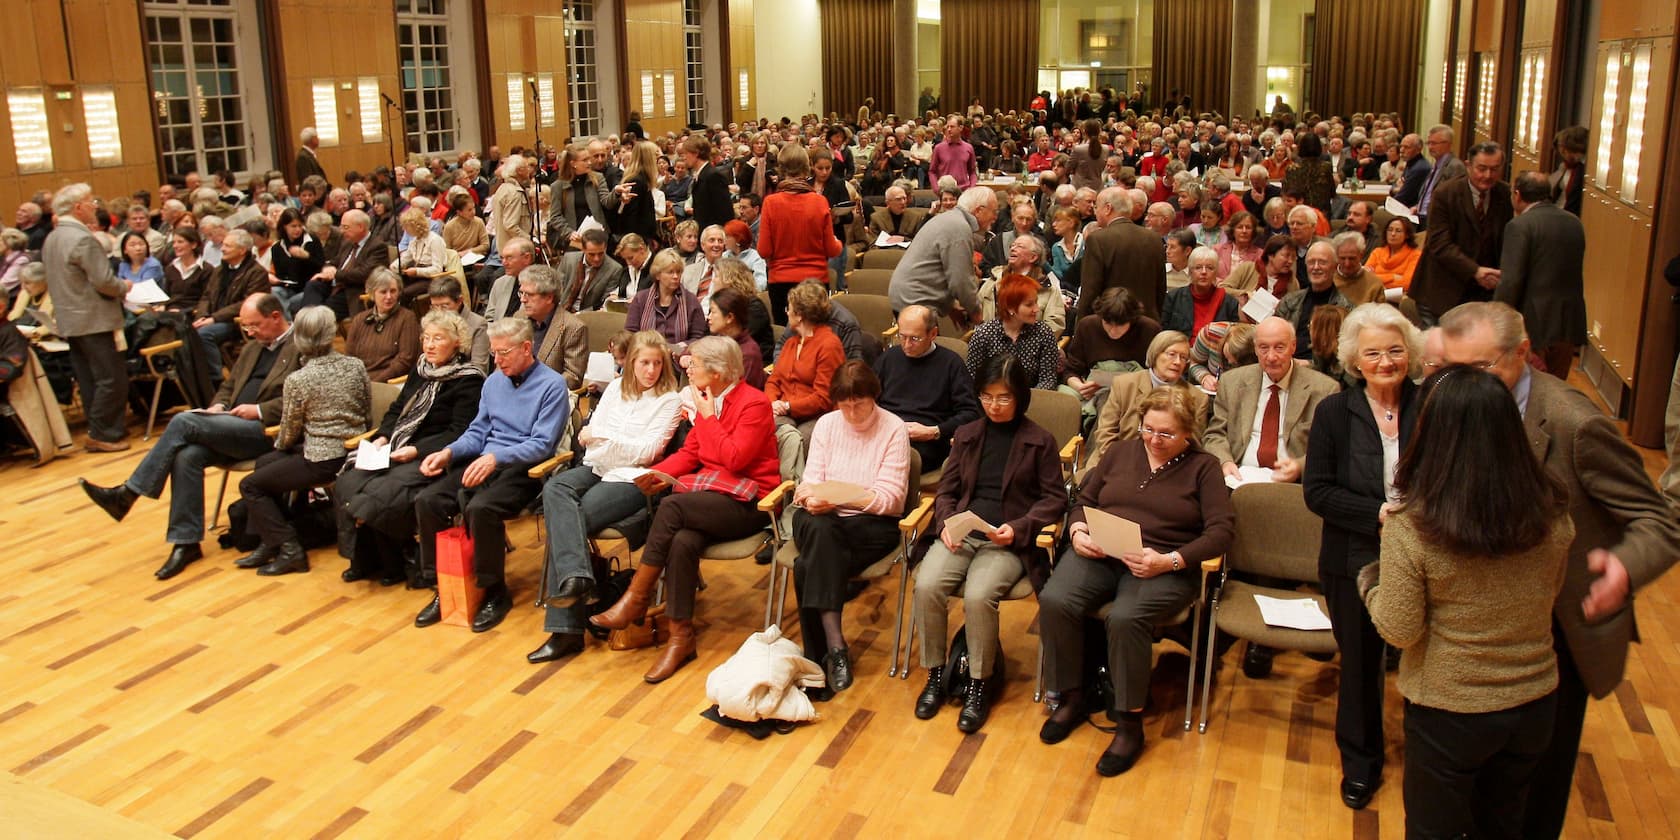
(882, 258)
(869, 281)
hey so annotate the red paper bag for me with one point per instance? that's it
(458, 592)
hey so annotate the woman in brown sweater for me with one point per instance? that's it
(1473, 557)
(386, 337)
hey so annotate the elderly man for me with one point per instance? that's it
(1318, 290)
(1023, 221)
(230, 430)
(587, 276)
(1262, 413)
(1260, 190)
(1414, 171)
(1161, 218)
(954, 157)
(1356, 282)
(926, 385)
(503, 301)
(340, 282)
(898, 220)
(1446, 168)
(521, 412)
(31, 221)
(1303, 232)
(1540, 272)
(1361, 219)
(1120, 253)
(938, 269)
(559, 340)
(307, 162)
(217, 314)
(1625, 535)
(87, 299)
(1461, 253)
(698, 277)
(1026, 258)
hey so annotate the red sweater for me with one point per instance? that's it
(803, 371)
(740, 442)
(796, 237)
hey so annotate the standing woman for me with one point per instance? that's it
(1356, 440)
(827, 181)
(1473, 558)
(1311, 174)
(322, 404)
(1085, 160)
(635, 194)
(795, 230)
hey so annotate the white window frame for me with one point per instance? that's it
(252, 84)
(584, 98)
(456, 22)
(695, 50)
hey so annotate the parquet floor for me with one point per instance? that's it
(220, 704)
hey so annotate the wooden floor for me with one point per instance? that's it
(221, 704)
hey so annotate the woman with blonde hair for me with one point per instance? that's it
(424, 258)
(635, 194)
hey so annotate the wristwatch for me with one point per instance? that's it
(1177, 561)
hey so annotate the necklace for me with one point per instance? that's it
(1388, 413)
(1158, 470)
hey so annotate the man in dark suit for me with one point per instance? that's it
(1466, 228)
(710, 193)
(1121, 253)
(1625, 535)
(307, 163)
(87, 299)
(1540, 272)
(558, 338)
(340, 283)
(230, 430)
(587, 276)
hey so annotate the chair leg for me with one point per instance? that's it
(1195, 646)
(772, 613)
(151, 418)
(909, 637)
(898, 618)
(216, 512)
(1207, 666)
(1038, 682)
(542, 579)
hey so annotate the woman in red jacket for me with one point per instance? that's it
(795, 229)
(798, 387)
(727, 463)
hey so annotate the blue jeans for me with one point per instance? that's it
(212, 335)
(190, 443)
(577, 503)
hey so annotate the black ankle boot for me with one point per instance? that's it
(976, 707)
(1126, 747)
(933, 694)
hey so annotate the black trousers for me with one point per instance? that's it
(933, 452)
(1548, 795)
(265, 489)
(507, 492)
(832, 550)
(778, 301)
(102, 375)
(1359, 692)
(683, 525)
(1468, 775)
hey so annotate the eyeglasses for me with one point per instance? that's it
(1491, 363)
(999, 401)
(504, 352)
(913, 339)
(524, 294)
(1176, 356)
(1392, 354)
(1164, 437)
(249, 329)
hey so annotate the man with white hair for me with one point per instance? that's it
(1303, 232)
(1356, 282)
(216, 317)
(1263, 413)
(33, 223)
(898, 220)
(211, 229)
(1260, 190)
(1026, 257)
(1160, 218)
(938, 269)
(341, 281)
(87, 299)
(1120, 253)
(1319, 289)
(307, 162)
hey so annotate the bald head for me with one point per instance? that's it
(1274, 344)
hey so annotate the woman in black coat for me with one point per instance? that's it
(635, 195)
(436, 405)
(1356, 440)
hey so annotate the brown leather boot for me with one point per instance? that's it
(633, 606)
(677, 653)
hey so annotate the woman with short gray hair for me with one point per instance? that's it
(324, 403)
(386, 335)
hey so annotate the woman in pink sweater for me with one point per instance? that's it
(795, 230)
(858, 443)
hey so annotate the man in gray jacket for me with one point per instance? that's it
(938, 269)
(87, 304)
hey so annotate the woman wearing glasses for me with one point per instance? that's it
(1169, 356)
(1176, 494)
(1005, 469)
(1356, 440)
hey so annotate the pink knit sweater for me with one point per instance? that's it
(877, 457)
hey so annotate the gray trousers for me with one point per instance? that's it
(102, 375)
(983, 574)
(1080, 585)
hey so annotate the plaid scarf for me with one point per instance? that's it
(420, 404)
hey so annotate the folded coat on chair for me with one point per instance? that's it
(762, 680)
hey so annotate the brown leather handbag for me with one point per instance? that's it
(654, 629)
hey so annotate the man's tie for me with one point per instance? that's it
(1481, 204)
(354, 250)
(1267, 454)
(1429, 189)
(577, 286)
(705, 285)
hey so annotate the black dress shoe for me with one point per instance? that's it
(558, 645)
(353, 574)
(838, 666)
(1257, 662)
(976, 708)
(259, 558)
(1123, 752)
(113, 500)
(572, 591)
(179, 557)
(392, 579)
(1357, 794)
(1064, 719)
(497, 602)
(291, 559)
(765, 555)
(933, 694)
(430, 614)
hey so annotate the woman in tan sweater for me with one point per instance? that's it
(1473, 557)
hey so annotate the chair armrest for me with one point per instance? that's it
(272, 431)
(1047, 537)
(773, 499)
(166, 347)
(544, 469)
(1061, 343)
(351, 443)
(1070, 452)
(400, 380)
(1211, 566)
(917, 518)
(890, 332)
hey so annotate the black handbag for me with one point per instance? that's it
(957, 676)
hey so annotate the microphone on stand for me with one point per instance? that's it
(388, 100)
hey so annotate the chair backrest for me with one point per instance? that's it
(957, 346)
(883, 258)
(922, 198)
(912, 483)
(873, 313)
(602, 325)
(383, 395)
(1277, 536)
(869, 281)
(1057, 412)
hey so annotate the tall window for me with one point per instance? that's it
(695, 69)
(428, 95)
(200, 87)
(583, 84)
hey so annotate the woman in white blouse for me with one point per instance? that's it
(425, 257)
(629, 429)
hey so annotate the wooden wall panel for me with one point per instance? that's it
(1486, 37)
(307, 58)
(526, 38)
(742, 44)
(654, 44)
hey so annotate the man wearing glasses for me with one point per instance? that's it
(230, 430)
(517, 255)
(926, 385)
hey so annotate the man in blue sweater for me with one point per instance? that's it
(521, 411)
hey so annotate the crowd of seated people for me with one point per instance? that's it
(1185, 391)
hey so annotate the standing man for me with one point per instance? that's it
(938, 269)
(954, 157)
(1625, 535)
(1540, 272)
(1461, 254)
(1445, 169)
(87, 299)
(710, 194)
(1414, 171)
(1120, 253)
(307, 162)
(510, 206)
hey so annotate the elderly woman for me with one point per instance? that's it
(1176, 494)
(1190, 195)
(14, 253)
(1275, 271)
(1017, 331)
(1239, 246)
(435, 406)
(858, 443)
(796, 232)
(1356, 439)
(1396, 260)
(297, 256)
(1169, 359)
(799, 386)
(383, 226)
(728, 317)
(322, 404)
(687, 240)
(1191, 308)
(185, 275)
(425, 257)
(386, 337)
(628, 429)
(1005, 469)
(726, 464)
(445, 293)
(666, 307)
(465, 232)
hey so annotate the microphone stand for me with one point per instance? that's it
(390, 138)
(536, 185)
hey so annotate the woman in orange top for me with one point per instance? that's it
(798, 387)
(1396, 259)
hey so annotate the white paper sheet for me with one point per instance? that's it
(588, 224)
(371, 457)
(838, 492)
(1249, 475)
(1394, 206)
(962, 524)
(146, 292)
(471, 258)
(882, 241)
(1261, 304)
(601, 368)
(1294, 613)
(1115, 535)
